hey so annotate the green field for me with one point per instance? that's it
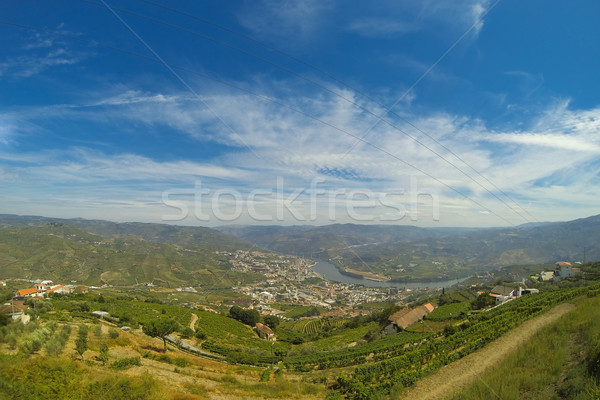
(449, 311)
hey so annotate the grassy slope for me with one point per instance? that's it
(65, 253)
(175, 375)
(564, 348)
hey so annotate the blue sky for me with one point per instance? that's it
(430, 113)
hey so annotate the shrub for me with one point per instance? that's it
(103, 356)
(125, 363)
(181, 362)
(266, 375)
(83, 331)
(593, 361)
(200, 335)
(113, 333)
(81, 345)
(187, 332)
(241, 357)
(54, 347)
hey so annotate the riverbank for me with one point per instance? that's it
(333, 273)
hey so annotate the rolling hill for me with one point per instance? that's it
(66, 253)
(95, 251)
(407, 252)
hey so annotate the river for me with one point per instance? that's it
(330, 272)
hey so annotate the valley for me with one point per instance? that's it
(244, 322)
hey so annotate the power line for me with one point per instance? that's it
(275, 101)
(179, 78)
(380, 118)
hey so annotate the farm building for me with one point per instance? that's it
(265, 332)
(406, 317)
(563, 270)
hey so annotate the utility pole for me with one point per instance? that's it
(583, 266)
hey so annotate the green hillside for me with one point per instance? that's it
(66, 253)
(407, 253)
(162, 233)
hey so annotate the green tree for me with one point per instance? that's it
(482, 301)
(187, 332)
(248, 317)
(160, 328)
(272, 321)
(113, 333)
(5, 319)
(103, 353)
(81, 345)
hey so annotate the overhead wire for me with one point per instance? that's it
(380, 118)
(269, 99)
(389, 110)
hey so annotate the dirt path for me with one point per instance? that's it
(455, 377)
(193, 322)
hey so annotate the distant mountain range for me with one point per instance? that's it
(399, 252)
(408, 252)
(161, 233)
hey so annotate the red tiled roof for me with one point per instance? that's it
(564, 263)
(26, 292)
(54, 289)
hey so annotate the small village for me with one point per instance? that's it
(288, 280)
(285, 284)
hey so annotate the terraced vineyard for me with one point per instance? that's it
(402, 370)
(449, 311)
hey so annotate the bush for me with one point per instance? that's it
(125, 363)
(181, 362)
(5, 319)
(81, 306)
(187, 332)
(113, 333)
(449, 330)
(81, 345)
(103, 353)
(266, 375)
(593, 361)
(29, 346)
(200, 335)
(54, 347)
(241, 357)
(83, 331)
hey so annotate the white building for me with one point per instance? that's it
(563, 270)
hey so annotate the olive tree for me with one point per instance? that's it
(160, 328)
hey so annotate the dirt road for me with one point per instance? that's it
(193, 322)
(457, 376)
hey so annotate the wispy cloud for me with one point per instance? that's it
(390, 18)
(281, 21)
(39, 53)
(529, 163)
